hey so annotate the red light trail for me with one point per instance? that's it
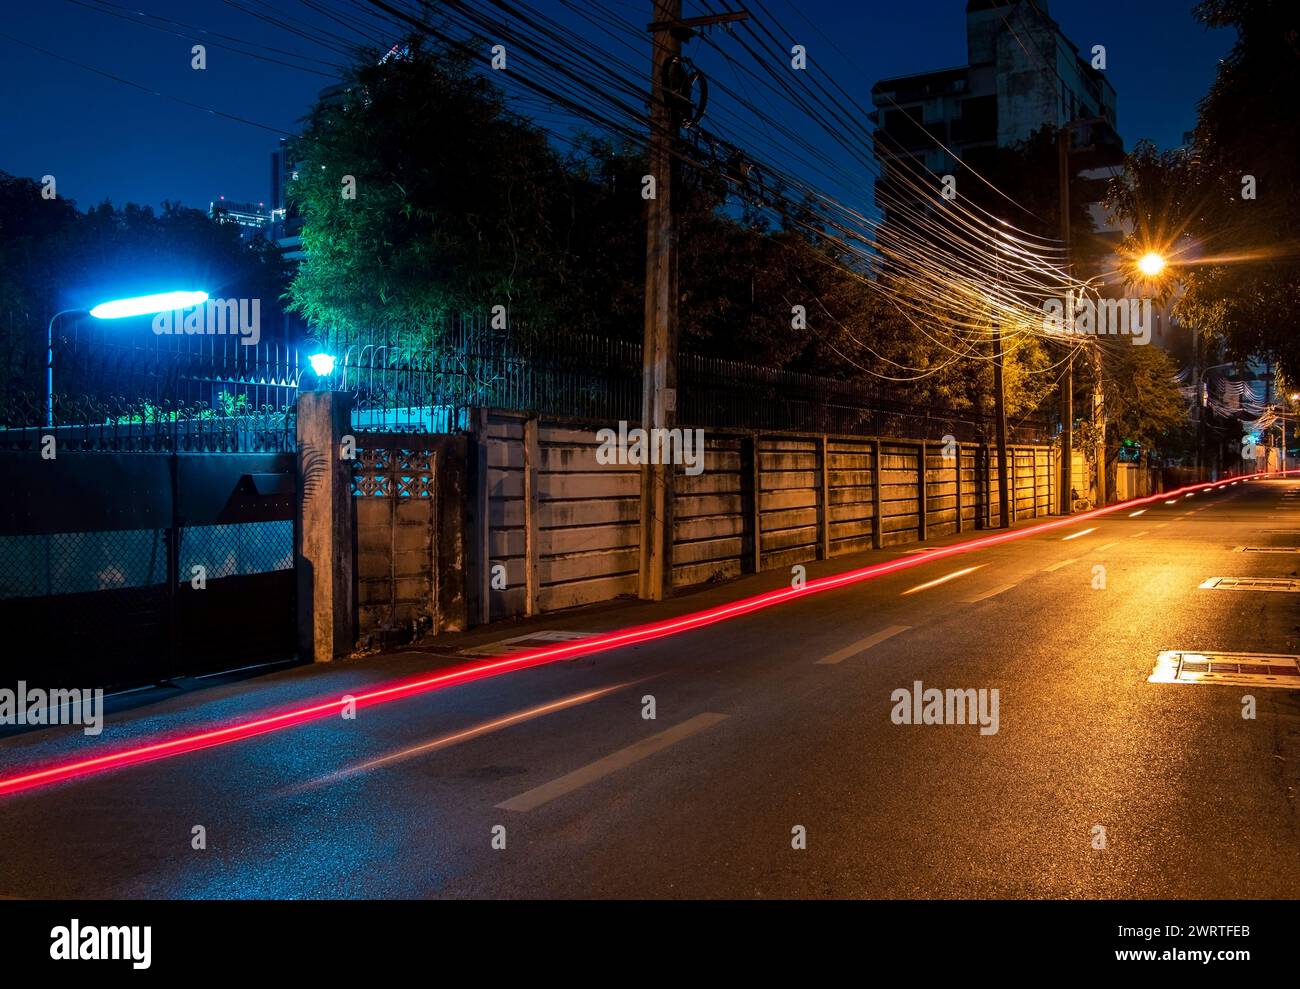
(480, 670)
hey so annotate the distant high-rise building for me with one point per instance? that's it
(286, 224)
(1022, 74)
(253, 218)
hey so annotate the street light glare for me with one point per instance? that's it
(322, 364)
(1151, 264)
(143, 305)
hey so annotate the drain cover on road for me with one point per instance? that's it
(1241, 668)
(1267, 549)
(1251, 584)
(533, 640)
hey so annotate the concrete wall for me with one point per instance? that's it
(789, 500)
(562, 529)
(712, 531)
(505, 535)
(851, 482)
(588, 521)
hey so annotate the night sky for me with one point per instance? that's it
(103, 139)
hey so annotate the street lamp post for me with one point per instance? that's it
(139, 305)
(1198, 378)
(999, 398)
(1295, 397)
(49, 364)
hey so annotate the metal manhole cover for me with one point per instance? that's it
(1251, 584)
(533, 640)
(1267, 549)
(1241, 668)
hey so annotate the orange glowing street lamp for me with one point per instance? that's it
(1151, 264)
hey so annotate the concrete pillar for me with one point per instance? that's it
(479, 524)
(957, 476)
(824, 499)
(326, 600)
(532, 515)
(877, 503)
(751, 498)
(922, 504)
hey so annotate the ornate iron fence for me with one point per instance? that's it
(147, 393)
(214, 393)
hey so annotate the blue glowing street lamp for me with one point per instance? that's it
(322, 363)
(140, 305)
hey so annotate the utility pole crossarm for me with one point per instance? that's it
(689, 24)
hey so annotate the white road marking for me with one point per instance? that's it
(1102, 549)
(1076, 535)
(534, 798)
(446, 741)
(1062, 563)
(1161, 525)
(1139, 535)
(862, 645)
(988, 594)
(941, 580)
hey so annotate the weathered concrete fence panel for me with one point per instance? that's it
(851, 501)
(711, 528)
(561, 520)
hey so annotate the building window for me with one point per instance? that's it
(979, 120)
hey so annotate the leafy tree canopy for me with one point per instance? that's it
(1229, 207)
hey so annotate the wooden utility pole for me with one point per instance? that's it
(1067, 377)
(1099, 423)
(1063, 144)
(1000, 411)
(659, 354)
(1000, 401)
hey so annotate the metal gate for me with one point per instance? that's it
(122, 569)
(408, 500)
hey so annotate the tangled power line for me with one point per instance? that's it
(794, 145)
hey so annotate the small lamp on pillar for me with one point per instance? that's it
(319, 373)
(322, 364)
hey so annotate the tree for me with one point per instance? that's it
(422, 197)
(1143, 404)
(30, 229)
(1232, 201)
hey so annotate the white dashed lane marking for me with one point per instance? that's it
(612, 763)
(988, 594)
(862, 645)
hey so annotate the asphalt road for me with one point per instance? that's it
(763, 724)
